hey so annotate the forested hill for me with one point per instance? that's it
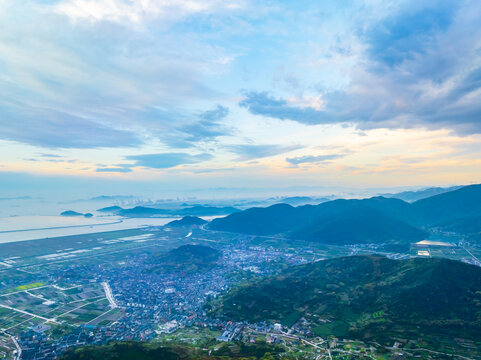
(365, 297)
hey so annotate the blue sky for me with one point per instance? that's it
(194, 94)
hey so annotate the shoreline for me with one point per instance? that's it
(60, 227)
(12, 236)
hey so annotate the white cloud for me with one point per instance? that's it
(315, 102)
(135, 11)
(108, 75)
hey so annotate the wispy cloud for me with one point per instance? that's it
(54, 129)
(212, 170)
(168, 160)
(50, 155)
(249, 152)
(125, 11)
(110, 97)
(205, 127)
(314, 158)
(114, 169)
(261, 103)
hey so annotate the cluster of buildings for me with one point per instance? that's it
(153, 303)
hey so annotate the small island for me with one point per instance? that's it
(71, 213)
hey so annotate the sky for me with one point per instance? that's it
(178, 96)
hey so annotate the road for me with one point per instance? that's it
(18, 356)
(109, 295)
(28, 313)
(474, 257)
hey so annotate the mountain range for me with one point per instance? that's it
(411, 196)
(372, 220)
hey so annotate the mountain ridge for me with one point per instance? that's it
(395, 218)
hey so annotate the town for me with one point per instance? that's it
(109, 287)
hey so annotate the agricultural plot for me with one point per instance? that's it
(86, 312)
(52, 305)
(466, 253)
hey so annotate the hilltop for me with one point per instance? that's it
(189, 258)
(365, 297)
(187, 221)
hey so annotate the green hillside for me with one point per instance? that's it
(357, 227)
(260, 221)
(372, 220)
(465, 225)
(366, 297)
(335, 222)
(462, 203)
(152, 351)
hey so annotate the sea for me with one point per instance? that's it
(30, 219)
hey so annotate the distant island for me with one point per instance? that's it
(110, 209)
(146, 211)
(71, 213)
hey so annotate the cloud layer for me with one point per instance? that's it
(419, 66)
(134, 88)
